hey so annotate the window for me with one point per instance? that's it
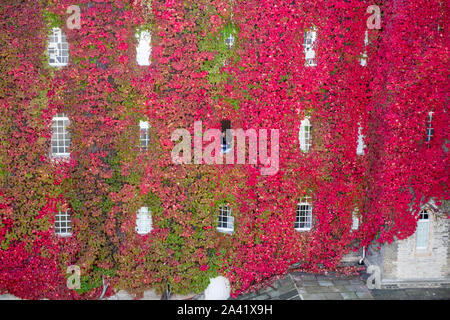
(227, 137)
(229, 41)
(303, 217)
(60, 136)
(304, 135)
(430, 129)
(58, 49)
(422, 231)
(308, 44)
(361, 145)
(226, 221)
(144, 223)
(144, 48)
(355, 219)
(63, 225)
(363, 59)
(144, 135)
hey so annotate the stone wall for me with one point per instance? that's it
(431, 263)
(401, 262)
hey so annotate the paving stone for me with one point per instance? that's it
(306, 283)
(298, 286)
(343, 289)
(357, 281)
(323, 283)
(296, 277)
(354, 287)
(321, 289)
(267, 290)
(285, 281)
(302, 290)
(275, 285)
(333, 296)
(316, 289)
(395, 294)
(286, 289)
(427, 294)
(273, 294)
(304, 276)
(289, 295)
(341, 282)
(348, 295)
(331, 289)
(314, 296)
(364, 295)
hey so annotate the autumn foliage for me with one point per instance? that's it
(261, 82)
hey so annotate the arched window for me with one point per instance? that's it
(227, 137)
(144, 48)
(423, 227)
(60, 136)
(226, 221)
(58, 49)
(144, 134)
(361, 145)
(303, 217)
(308, 45)
(430, 129)
(304, 135)
(63, 224)
(144, 222)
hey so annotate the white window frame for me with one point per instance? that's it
(144, 221)
(229, 41)
(60, 143)
(310, 38)
(305, 213)
(144, 48)
(144, 135)
(423, 229)
(363, 59)
(65, 224)
(361, 145)
(430, 129)
(305, 135)
(355, 219)
(58, 49)
(225, 219)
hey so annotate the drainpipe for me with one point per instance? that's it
(361, 261)
(104, 287)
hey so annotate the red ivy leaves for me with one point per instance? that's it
(103, 91)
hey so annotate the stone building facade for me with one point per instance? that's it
(421, 260)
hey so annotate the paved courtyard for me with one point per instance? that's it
(304, 286)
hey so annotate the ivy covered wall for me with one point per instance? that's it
(261, 82)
